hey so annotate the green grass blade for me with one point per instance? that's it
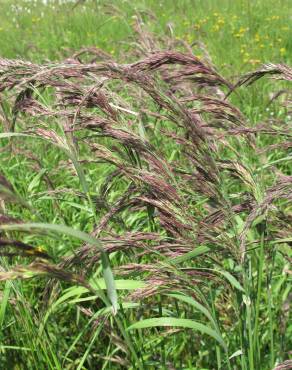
(191, 301)
(62, 229)
(190, 255)
(179, 323)
(4, 302)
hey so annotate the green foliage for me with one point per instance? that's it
(145, 199)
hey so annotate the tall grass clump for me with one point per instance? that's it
(159, 215)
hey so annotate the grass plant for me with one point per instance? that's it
(145, 189)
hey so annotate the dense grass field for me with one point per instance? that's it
(145, 184)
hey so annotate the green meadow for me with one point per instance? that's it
(145, 184)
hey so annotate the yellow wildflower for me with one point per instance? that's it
(254, 61)
(40, 249)
(257, 37)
